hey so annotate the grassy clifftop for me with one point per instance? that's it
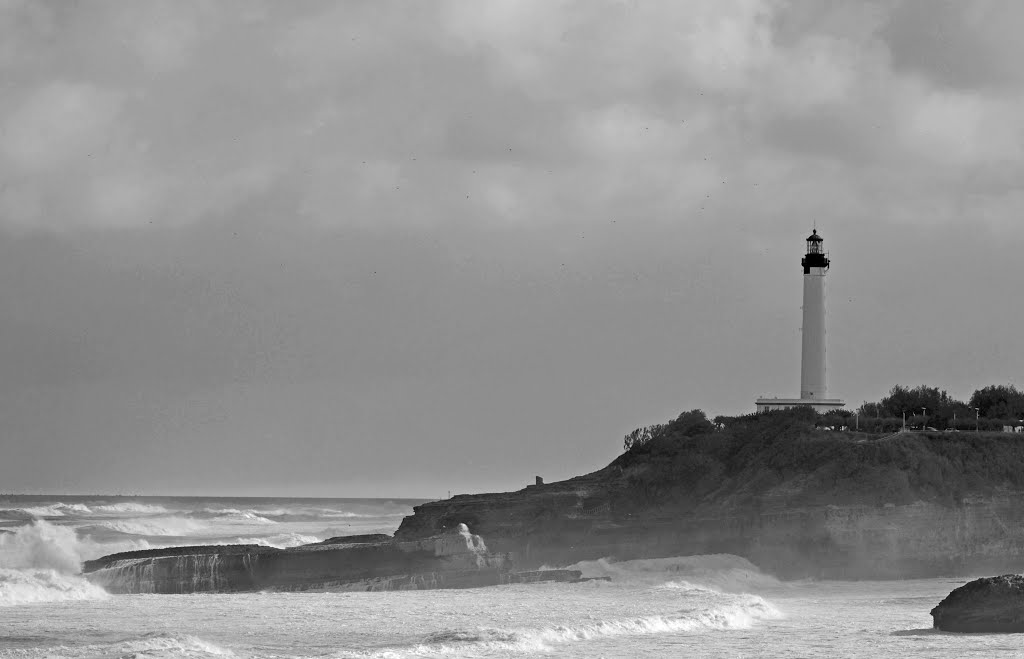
(781, 459)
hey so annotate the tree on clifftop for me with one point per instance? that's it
(941, 407)
(642, 436)
(687, 424)
(999, 402)
(691, 423)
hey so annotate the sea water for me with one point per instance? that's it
(691, 606)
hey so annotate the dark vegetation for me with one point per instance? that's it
(784, 458)
(989, 408)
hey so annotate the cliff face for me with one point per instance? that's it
(795, 501)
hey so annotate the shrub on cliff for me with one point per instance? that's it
(687, 424)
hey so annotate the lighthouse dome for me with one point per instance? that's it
(814, 237)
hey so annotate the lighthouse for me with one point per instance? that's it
(812, 356)
(813, 384)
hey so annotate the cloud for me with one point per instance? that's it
(57, 122)
(375, 114)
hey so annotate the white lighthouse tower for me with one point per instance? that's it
(813, 385)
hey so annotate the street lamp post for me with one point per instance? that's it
(977, 420)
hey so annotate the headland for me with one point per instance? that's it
(795, 500)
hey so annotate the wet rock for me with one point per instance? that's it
(987, 605)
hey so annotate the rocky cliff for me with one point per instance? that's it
(794, 500)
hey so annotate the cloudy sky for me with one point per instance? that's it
(384, 248)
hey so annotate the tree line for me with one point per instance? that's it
(989, 409)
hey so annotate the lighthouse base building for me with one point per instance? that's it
(820, 405)
(813, 388)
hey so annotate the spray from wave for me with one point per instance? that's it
(40, 563)
(720, 572)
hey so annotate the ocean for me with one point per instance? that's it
(688, 606)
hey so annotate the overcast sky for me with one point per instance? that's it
(400, 248)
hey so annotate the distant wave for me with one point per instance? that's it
(280, 540)
(157, 644)
(738, 612)
(61, 509)
(173, 645)
(17, 514)
(153, 526)
(231, 515)
(130, 507)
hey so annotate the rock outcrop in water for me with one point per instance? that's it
(988, 605)
(455, 559)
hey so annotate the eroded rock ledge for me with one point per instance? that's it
(454, 559)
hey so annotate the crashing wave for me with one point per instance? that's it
(40, 563)
(33, 586)
(741, 612)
